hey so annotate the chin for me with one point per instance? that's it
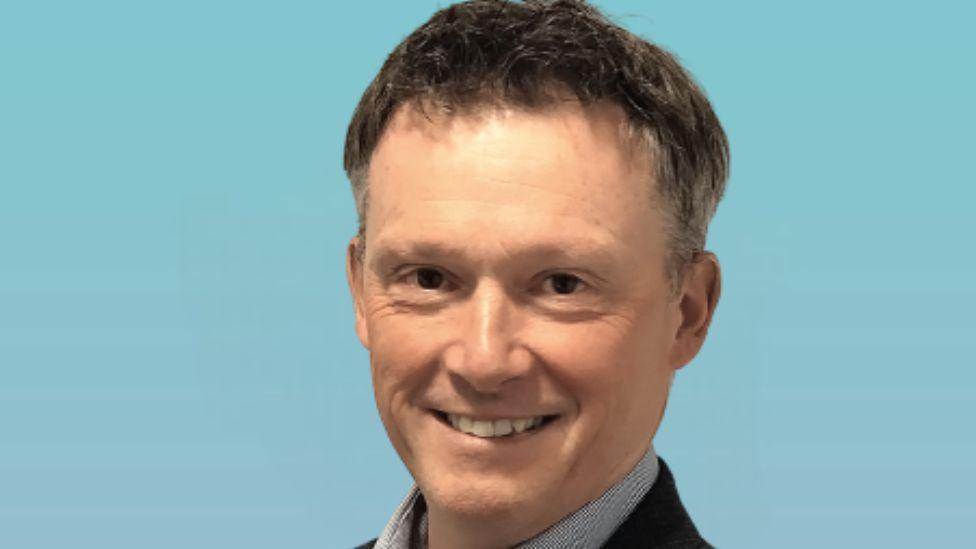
(480, 497)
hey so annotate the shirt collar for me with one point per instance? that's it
(588, 527)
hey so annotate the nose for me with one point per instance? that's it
(488, 355)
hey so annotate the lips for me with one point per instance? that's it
(489, 428)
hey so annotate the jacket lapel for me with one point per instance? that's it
(659, 520)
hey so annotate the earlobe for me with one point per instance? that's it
(700, 293)
(354, 277)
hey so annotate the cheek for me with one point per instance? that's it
(403, 353)
(617, 366)
(402, 362)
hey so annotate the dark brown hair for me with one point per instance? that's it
(529, 54)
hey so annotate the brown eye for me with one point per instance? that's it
(429, 279)
(564, 283)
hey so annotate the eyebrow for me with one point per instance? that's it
(591, 253)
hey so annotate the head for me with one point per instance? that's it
(534, 186)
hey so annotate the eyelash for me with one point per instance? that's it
(410, 276)
(415, 274)
(578, 284)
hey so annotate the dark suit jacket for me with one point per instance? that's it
(659, 521)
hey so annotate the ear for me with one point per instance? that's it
(355, 272)
(700, 291)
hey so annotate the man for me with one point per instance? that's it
(534, 186)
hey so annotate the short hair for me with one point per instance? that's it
(483, 53)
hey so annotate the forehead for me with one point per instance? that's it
(568, 172)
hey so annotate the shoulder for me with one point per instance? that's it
(659, 520)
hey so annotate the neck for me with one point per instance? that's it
(446, 530)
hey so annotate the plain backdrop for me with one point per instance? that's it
(178, 366)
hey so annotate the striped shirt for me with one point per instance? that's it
(587, 528)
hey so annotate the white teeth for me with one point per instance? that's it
(483, 428)
(489, 429)
(502, 427)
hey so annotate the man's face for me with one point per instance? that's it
(514, 280)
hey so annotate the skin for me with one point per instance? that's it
(477, 225)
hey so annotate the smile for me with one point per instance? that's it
(487, 428)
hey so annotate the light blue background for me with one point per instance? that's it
(177, 361)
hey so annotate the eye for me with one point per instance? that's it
(429, 279)
(563, 283)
